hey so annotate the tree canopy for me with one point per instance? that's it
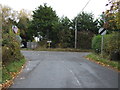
(24, 17)
(112, 15)
(9, 17)
(86, 22)
(65, 33)
(44, 21)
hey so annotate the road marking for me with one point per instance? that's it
(78, 82)
(74, 76)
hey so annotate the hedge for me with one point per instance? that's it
(96, 43)
(84, 39)
(10, 48)
(111, 45)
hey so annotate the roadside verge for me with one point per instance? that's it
(10, 72)
(115, 65)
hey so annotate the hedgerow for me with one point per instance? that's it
(111, 45)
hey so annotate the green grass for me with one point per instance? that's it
(12, 67)
(60, 49)
(95, 57)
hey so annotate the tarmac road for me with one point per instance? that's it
(46, 69)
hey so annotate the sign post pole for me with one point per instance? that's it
(102, 31)
(102, 40)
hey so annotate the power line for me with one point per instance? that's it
(86, 5)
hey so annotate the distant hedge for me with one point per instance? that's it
(96, 43)
(111, 45)
(84, 40)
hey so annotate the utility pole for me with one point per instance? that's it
(76, 25)
(76, 33)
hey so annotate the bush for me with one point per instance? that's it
(10, 49)
(111, 45)
(43, 43)
(96, 43)
(84, 39)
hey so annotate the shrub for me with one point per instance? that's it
(84, 39)
(10, 48)
(43, 43)
(111, 45)
(96, 43)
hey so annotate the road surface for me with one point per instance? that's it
(46, 69)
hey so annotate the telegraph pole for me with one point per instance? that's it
(76, 33)
(76, 25)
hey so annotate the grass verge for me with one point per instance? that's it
(10, 71)
(60, 49)
(104, 62)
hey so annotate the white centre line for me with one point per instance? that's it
(78, 82)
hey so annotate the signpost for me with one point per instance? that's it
(102, 31)
(15, 29)
(49, 42)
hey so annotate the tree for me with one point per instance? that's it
(86, 27)
(65, 34)
(45, 21)
(10, 44)
(23, 24)
(9, 17)
(86, 22)
(113, 15)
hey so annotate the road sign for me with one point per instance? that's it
(102, 31)
(49, 41)
(14, 28)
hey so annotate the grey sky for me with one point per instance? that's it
(69, 8)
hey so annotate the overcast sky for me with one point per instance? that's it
(69, 8)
